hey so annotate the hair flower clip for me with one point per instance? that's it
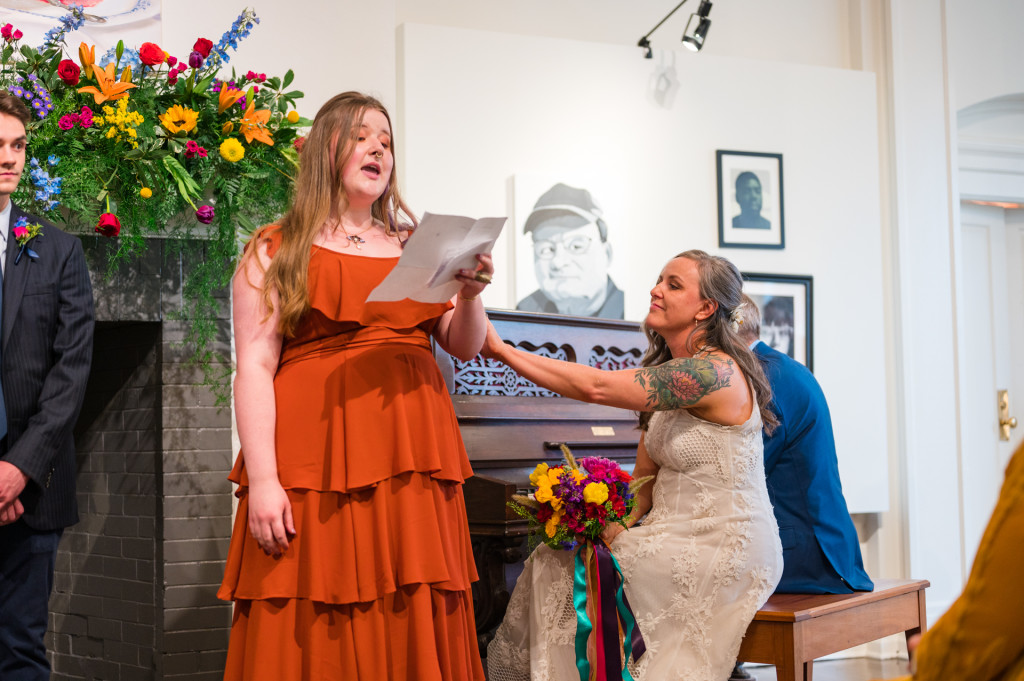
(736, 318)
(24, 233)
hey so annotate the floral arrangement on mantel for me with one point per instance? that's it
(142, 141)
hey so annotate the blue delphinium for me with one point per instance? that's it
(129, 57)
(72, 21)
(239, 30)
(47, 187)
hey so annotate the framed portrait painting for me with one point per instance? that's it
(750, 211)
(563, 249)
(785, 303)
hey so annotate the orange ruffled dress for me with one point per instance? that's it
(376, 583)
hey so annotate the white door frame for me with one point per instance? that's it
(990, 160)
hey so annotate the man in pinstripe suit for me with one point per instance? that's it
(46, 328)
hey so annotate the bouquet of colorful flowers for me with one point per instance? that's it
(571, 507)
(574, 502)
(142, 141)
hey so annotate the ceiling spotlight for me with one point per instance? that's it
(645, 44)
(697, 27)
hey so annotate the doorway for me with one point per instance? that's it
(991, 316)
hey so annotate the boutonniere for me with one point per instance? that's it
(23, 234)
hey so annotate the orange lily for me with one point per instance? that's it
(227, 97)
(254, 125)
(87, 55)
(109, 87)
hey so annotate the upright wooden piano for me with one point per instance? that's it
(510, 425)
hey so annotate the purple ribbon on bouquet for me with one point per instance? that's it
(597, 586)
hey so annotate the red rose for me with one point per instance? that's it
(68, 72)
(150, 54)
(203, 47)
(108, 225)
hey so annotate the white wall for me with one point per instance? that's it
(531, 105)
(812, 32)
(336, 45)
(985, 49)
(331, 46)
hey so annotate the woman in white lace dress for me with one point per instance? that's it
(708, 554)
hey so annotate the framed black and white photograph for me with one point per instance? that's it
(563, 249)
(785, 303)
(750, 211)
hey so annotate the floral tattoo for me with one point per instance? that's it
(681, 383)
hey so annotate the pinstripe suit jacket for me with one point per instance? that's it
(46, 352)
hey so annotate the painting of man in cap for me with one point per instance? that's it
(571, 257)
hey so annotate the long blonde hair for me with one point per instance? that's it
(318, 191)
(721, 282)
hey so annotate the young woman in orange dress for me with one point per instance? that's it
(350, 557)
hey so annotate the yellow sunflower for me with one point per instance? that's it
(179, 119)
(232, 150)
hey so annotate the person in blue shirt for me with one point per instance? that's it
(820, 549)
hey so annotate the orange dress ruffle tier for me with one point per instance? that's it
(376, 583)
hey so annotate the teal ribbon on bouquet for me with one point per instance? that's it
(597, 593)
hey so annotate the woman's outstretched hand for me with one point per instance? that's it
(475, 280)
(270, 517)
(493, 345)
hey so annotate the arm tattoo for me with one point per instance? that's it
(681, 383)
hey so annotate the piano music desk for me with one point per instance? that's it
(792, 630)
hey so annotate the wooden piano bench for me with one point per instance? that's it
(791, 630)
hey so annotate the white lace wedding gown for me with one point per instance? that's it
(705, 559)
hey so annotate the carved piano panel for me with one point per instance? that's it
(509, 425)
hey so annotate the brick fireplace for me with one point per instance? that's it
(135, 588)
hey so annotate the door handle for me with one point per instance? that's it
(1006, 422)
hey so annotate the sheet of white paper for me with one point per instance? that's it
(437, 249)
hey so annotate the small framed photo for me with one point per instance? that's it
(750, 200)
(785, 303)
